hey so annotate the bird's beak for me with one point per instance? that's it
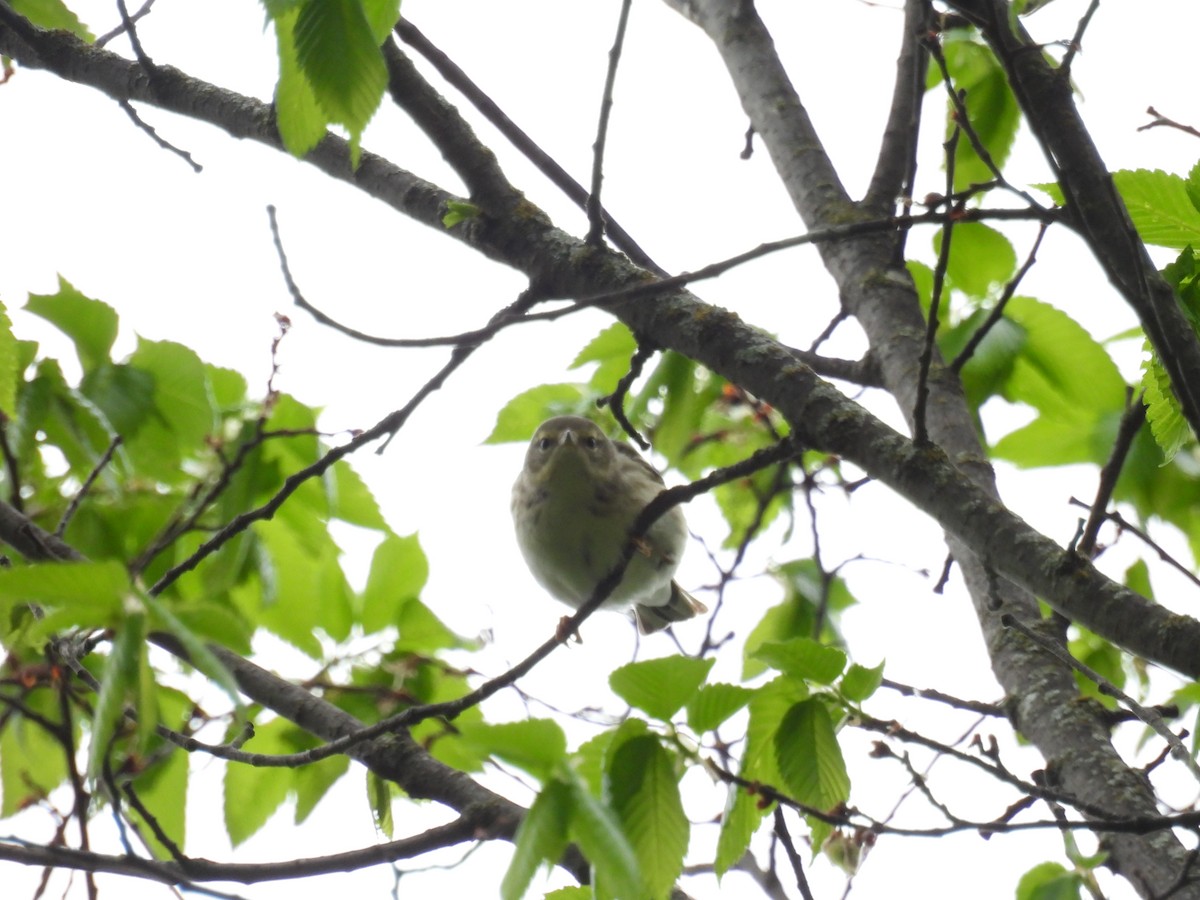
(568, 437)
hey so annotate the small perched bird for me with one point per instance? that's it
(573, 506)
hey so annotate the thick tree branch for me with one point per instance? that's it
(1046, 97)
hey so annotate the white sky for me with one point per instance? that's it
(189, 258)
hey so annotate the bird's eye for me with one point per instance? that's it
(545, 444)
(591, 442)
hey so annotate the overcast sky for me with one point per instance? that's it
(188, 257)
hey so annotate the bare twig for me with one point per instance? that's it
(1076, 44)
(73, 506)
(1161, 120)
(997, 311)
(920, 432)
(1131, 422)
(616, 400)
(1149, 716)
(595, 212)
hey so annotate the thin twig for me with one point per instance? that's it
(1131, 423)
(448, 69)
(789, 847)
(595, 212)
(997, 311)
(154, 135)
(73, 506)
(616, 400)
(1076, 44)
(1125, 525)
(920, 430)
(1149, 716)
(1161, 120)
(120, 29)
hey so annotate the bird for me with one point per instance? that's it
(573, 507)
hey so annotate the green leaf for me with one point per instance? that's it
(1137, 578)
(11, 366)
(340, 57)
(980, 258)
(181, 389)
(536, 745)
(1160, 206)
(991, 363)
(660, 687)
(809, 758)
(458, 211)
(312, 782)
(1049, 881)
(399, 570)
(199, 655)
(31, 759)
(299, 117)
(305, 588)
(596, 830)
(541, 837)
(742, 818)
(643, 790)
(351, 500)
(714, 703)
(381, 17)
(379, 792)
(94, 588)
(90, 324)
(1163, 412)
(116, 685)
(521, 416)
(52, 15)
(253, 793)
(797, 614)
(859, 682)
(991, 109)
(803, 658)
(162, 788)
(612, 348)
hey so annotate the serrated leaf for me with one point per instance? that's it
(536, 745)
(379, 795)
(803, 658)
(117, 685)
(991, 108)
(399, 570)
(90, 324)
(340, 57)
(742, 818)
(1049, 881)
(859, 682)
(714, 703)
(541, 837)
(31, 760)
(198, 653)
(298, 116)
(644, 792)
(351, 500)
(1163, 411)
(809, 758)
(163, 789)
(598, 833)
(253, 793)
(797, 613)
(10, 366)
(981, 258)
(52, 15)
(458, 211)
(521, 416)
(1160, 207)
(660, 687)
